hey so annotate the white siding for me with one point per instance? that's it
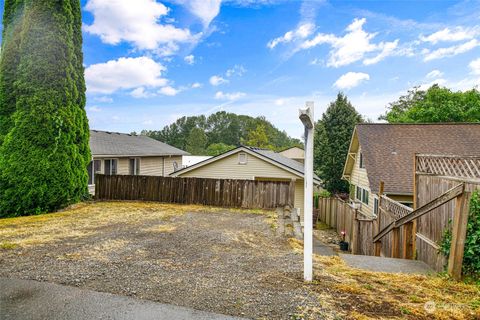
(169, 164)
(151, 166)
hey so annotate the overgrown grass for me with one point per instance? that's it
(370, 295)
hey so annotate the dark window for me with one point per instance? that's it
(375, 206)
(111, 167)
(97, 164)
(90, 174)
(134, 167)
(365, 195)
(359, 193)
(362, 165)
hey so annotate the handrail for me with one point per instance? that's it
(426, 208)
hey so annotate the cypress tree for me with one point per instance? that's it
(332, 139)
(45, 153)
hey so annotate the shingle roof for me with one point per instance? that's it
(388, 149)
(120, 144)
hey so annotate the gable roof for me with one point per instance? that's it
(104, 143)
(388, 149)
(270, 156)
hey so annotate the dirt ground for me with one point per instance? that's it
(212, 259)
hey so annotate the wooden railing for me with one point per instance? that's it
(397, 209)
(452, 166)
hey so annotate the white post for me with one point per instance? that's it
(306, 116)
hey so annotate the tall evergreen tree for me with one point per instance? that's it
(45, 153)
(332, 140)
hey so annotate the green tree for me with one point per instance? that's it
(258, 138)
(331, 142)
(218, 148)
(44, 155)
(436, 104)
(196, 142)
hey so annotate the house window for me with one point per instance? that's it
(97, 165)
(361, 164)
(110, 166)
(365, 195)
(359, 193)
(375, 206)
(134, 166)
(242, 158)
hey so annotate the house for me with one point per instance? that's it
(295, 153)
(385, 152)
(251, 164)
(120, 153)
(188, 161)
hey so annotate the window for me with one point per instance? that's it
(361, 164)
(134, 167)
(359, 193)
(242, 158)
(375, 206)
(365, 195)
(110, 167)
(97, 164)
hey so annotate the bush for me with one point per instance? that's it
(471, 260)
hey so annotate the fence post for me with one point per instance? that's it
(408, 240)
(378, 244)
(395, 243)
(459, 232)
(355, 231)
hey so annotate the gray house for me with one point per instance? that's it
(119, 153)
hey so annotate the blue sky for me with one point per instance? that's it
(149, 62)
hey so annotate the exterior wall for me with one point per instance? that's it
(254, 169)
(169, 164)
(296, 154)
(123, 166)
(229, 168)
(359, 178)
(151, 166)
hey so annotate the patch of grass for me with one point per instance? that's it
(322, 226)
(8, 245)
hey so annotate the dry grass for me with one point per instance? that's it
(83, 220)
(362, 293)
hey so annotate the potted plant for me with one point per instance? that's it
(343, 244)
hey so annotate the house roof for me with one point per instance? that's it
(388, 149)
(104, 143)
(271, 156)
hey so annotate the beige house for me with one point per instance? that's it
(125, 154)
(385, 152)
(295, 153)
(251, 164)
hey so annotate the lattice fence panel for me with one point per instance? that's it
(452, 166)
(396, 209)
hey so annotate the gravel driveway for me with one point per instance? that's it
(207, 259)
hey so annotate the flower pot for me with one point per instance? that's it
(343, 246)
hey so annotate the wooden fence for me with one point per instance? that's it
(339, 215)
(216, 192)
(434, 176)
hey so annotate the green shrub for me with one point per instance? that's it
(44, 155)
(471, 260)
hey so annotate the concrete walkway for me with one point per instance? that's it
(381, 264)
(32, 300)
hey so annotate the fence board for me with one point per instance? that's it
(247, 194)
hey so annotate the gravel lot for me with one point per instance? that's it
(209, 259)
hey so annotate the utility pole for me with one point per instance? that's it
(306, 116)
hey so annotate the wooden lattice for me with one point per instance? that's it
(452, 166)
(396, 209)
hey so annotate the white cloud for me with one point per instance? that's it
(124, 73)
(103, 99)
(303, 31)
(196, 85)
(94, 109)
(349, 48)
(205, 10)
(217, 80)
(351, 79)
(236, 70)
(425, 86)
(451, 35)
(450, 51)
(229, 96)
(190, 59)
(139, 23)
(140, 93)
(475, 66)
(169, 91)
(434, 74)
